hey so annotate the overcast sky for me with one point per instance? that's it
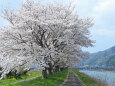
(101, 11)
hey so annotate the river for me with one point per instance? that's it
(105, 76)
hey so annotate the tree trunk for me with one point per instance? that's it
(61, 69)
(50, 68)
(54, 70)
(50, 71)
(57, 68)
(66, 68)
(44, 73)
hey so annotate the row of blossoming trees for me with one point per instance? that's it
(44, 35)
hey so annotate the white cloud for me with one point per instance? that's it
(103, 13)
(104, 8)
(103, 32)
(106, 5)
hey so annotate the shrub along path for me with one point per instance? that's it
(72, 80)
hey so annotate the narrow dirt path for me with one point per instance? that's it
(26, 80)
(72, 80)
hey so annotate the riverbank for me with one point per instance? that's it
(104, 76)
(88, 81)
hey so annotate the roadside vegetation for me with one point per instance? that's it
(88, 81)
(30, 74)
(55, 79)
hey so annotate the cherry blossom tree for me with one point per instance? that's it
(44, 35)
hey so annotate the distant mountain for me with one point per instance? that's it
(102, 58)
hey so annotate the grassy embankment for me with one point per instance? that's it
(30, 74)
(88, 81)
(55, 79)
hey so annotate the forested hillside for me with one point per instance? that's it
(102, 58)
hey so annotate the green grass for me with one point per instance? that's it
(30, 74)
(55, 79)
(88, 81)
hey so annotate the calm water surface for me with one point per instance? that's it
(105, 76)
